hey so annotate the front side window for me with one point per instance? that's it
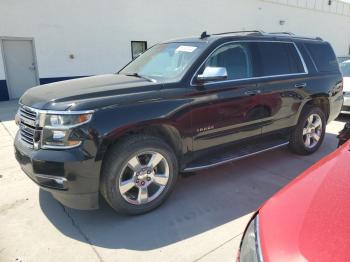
(165, 62)
(235, 57)
(278, 58)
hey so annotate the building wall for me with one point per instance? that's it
(98, 33)
(336, 7)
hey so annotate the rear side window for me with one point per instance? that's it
(323, 57)
(277, 58)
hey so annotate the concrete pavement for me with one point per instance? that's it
(203, 220)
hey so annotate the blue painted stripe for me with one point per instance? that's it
(4, 94)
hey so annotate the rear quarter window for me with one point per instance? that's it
(278, 58)
(323, 56)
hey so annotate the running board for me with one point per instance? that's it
(233, 155)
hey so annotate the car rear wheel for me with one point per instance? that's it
(309, 133)
(138, 174)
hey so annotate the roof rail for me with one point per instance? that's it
(261, 33)
(238, 32)
(294, 35)
(281, 33)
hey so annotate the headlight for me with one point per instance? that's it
(250, 246)
(58, 129)
(65, 121)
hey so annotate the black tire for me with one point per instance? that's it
(117, 158)
(296, 142)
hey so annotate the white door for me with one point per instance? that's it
(20, 66)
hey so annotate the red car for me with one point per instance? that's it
(308, 220)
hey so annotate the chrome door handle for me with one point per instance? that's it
(300, 85)
(252, 92)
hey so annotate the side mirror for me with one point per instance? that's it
(213, 74)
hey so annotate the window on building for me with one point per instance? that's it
(323, 56)
(278, 59)
(235, 58)
(137, 48)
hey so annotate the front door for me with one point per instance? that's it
(229, 110)
(20, 66)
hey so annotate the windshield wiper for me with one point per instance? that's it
(142, 76)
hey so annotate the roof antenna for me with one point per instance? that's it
(204, 35)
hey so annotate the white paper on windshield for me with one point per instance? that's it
(186, 48)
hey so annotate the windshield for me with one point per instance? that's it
(164, 62)
(345, 68)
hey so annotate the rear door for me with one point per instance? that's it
(282, 77)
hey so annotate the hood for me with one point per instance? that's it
(346, 84)
(89, 92)
(308, 220)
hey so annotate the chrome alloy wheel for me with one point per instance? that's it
(144, 177)
(312, 131)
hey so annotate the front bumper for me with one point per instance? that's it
(71, 176)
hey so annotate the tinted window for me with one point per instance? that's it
(278, 59)
(235, 58)
(323, 56)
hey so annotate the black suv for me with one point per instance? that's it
(182, 106)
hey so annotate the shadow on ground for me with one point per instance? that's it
(199, 203)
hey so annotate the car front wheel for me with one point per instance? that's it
(138, 175)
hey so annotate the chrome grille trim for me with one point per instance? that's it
(29, 133)
(27, 125)
(24, 112)
(26, 135)
(27, 140)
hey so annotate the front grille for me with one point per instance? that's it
(27, 125)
